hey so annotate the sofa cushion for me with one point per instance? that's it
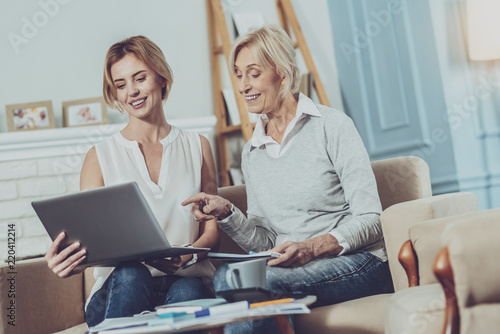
(80, 329)
(401, 179)
(88, 281)
(236, 195)
(358, 316)
(482, 318)
(426, 241)
(473, 245)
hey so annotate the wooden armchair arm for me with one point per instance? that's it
(409, 261)
(444, 273)
(399, 218)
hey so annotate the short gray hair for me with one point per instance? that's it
(273, 49)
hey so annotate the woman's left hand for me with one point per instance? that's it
(171, 265)
(297, 254)
(293, 254)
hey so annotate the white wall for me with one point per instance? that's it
(62, 59)
(472, 94)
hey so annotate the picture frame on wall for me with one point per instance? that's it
(84, 112)
(30, 116)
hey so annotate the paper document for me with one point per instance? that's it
(189, 306)
(151, 324)
(125, 322)
(241, 257)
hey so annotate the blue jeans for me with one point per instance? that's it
(332, 280)
(130, 289)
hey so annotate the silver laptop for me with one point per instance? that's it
(114, 223)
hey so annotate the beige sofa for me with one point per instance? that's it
(47, 304)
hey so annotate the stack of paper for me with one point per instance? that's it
(190, 307)
(229, 257)
(210, 316)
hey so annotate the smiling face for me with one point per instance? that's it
(259, 85)
(138, 88)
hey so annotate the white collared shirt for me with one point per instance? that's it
(305, 107)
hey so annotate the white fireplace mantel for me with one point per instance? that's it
(77, 140)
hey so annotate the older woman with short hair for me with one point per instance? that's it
(312, 195)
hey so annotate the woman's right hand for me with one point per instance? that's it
(206, 207)
(60, 263)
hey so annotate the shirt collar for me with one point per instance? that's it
(305, 106)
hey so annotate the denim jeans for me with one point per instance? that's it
(130, 289)
(332, 280)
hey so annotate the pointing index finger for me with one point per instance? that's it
(193, 199)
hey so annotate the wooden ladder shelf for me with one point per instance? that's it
(220, 45)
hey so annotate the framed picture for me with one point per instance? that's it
(30, 116)
(84, 112)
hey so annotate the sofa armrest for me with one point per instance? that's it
(397, 219)
(468, 270)
(426, 242)
(236, 195)
(37, 300)
(473, 243)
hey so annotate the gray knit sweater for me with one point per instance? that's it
(323, 182)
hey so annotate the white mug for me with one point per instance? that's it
(247, 274)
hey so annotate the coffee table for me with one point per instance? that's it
(215, 324)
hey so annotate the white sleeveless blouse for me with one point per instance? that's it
(121, 161)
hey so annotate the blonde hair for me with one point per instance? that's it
(145, 50)
(273, 49)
